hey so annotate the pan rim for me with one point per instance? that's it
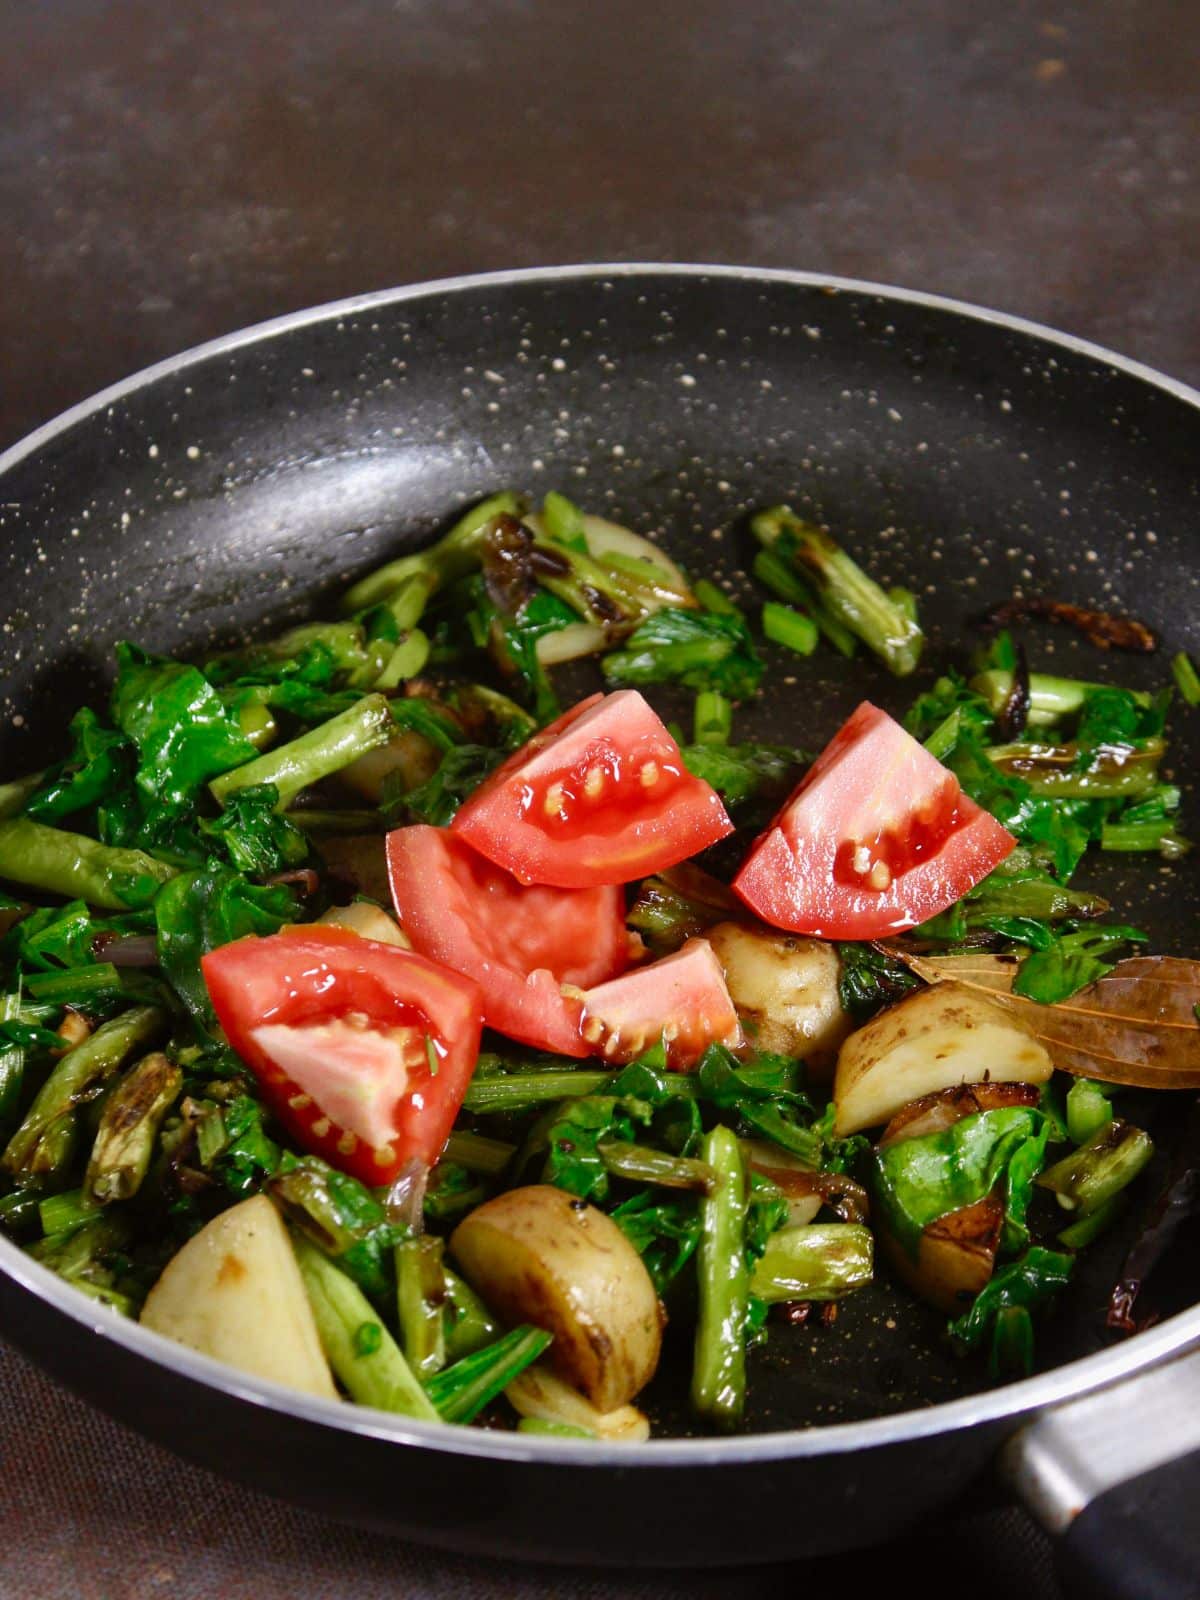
(1075, 1378)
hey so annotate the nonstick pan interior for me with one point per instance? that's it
(965, 458)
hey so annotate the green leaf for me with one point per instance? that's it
(101, 762)
(745, 772)
(1070, 961)
(183, 733)
(698, 649)
(256, 837)
(1029, 1282)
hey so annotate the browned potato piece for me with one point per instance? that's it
(955, 1257)
(539, 1255)
(933, 1112)
(538, 1392)
(785, 988)
(931, 1040)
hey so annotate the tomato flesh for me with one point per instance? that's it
(681, 1000)
(343, 1035)
(602, 796)
(521, 943)
(877, 838)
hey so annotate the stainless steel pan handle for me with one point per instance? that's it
(1115, 1478)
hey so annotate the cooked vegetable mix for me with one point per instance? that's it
(259, 916)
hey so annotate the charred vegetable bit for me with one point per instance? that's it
(1108, 1162)
(1101, 628)
(129, 1124)
(1177, 1203)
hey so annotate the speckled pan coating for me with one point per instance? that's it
(243, 485)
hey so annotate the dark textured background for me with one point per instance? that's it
(168, 175)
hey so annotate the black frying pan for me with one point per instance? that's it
(238, 487)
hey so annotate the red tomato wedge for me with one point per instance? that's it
(599, 797)
(681, 999)
(343, 1035)
(520, 942)
(877, 837)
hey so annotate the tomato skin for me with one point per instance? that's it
(520, 942)
(681, 999)
(877, 837)
(601, 796)
(308, 975)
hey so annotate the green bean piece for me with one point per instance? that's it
(128, 1132)
(362, 1353)
(712, 718)
(792, 629)
(1109, 1161)
(643, 1164)
(44, 1141)
(462, 1391)
(420, 1302)
(317, 754)
(40, 857)
(719, 1366)
(453, 557)
(816, 1261)
(477, 1153)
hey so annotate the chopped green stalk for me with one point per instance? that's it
(44, 1141)
(667, 915)
(362, 1353)
(469, 1323)
(461, 1391)
(405, 661)
(817, 1261)
(1187, 679)
(776, 575)
(714, 599)
(1011, 1354)
(719, 1365)
(478, 1154)
(453, 557)
(905, 600)
(1043, 899)
(61, 1214)
(335, 823)
(1054, 769)
(607, 592)
(420, 1303)
(316, 754)
(1078, 1235)
(80, 1254)
(847, 593)
(520, 1091)
(641, 1164)
(1050, 698)
(552, 1430)
(1109, 1161)
(945, 736)
(1160, 835)
(14, 795)
(1088, 1109)
(790, 628)
(713, 718)
(79, 868)
(128, 1131)
(212, 1137)
(563, 521)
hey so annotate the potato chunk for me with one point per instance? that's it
(931, 1040)
(539, 1255)
(785, 988)
(234, 1292)
(955, 1257)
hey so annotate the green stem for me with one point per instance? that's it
(453, 557)
(362, 1353)
(520, 1091)
(461, 1391)
(477, 1153)
(642, 1164)
(316, 754)
(420, 1303)
(714, 599)
(1187, 679)
(128, 1131)
(1050, 698)
(1109, 1161)
(713, 718)
(79, 868)
(790, 628)
(469, 1323)
(44, 1141)
(777, 576)
(719, 1367)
